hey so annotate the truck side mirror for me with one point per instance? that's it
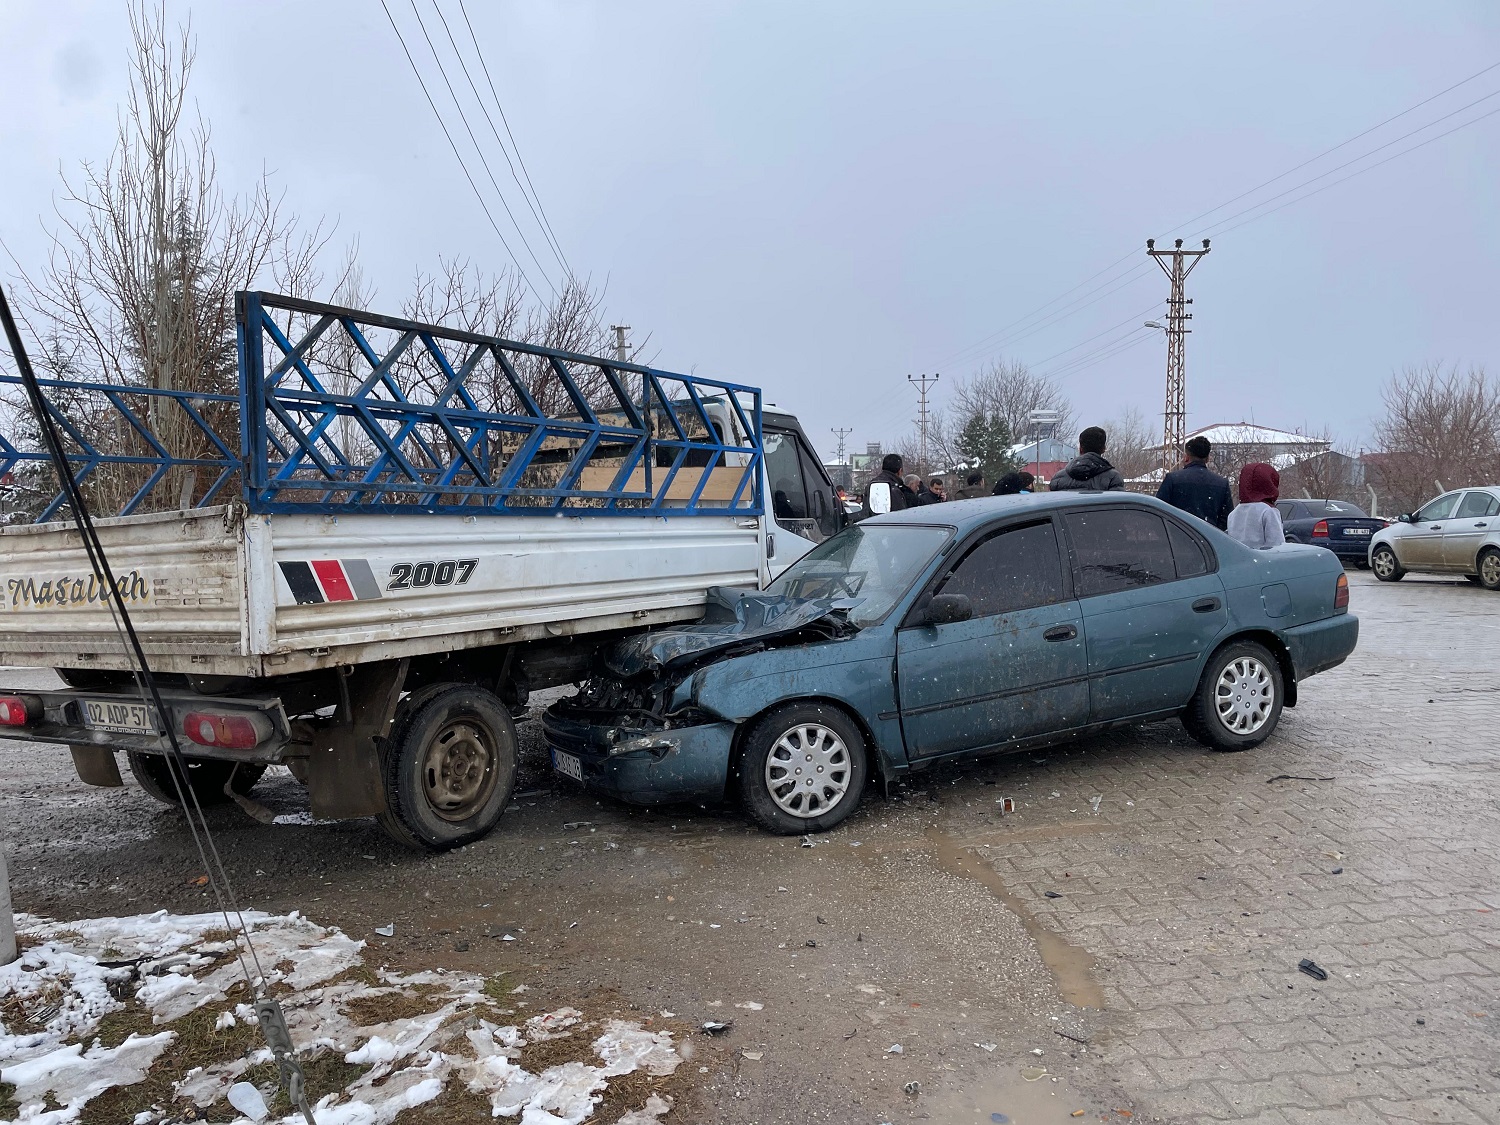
(945, 609)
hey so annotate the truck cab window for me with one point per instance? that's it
(784, 471)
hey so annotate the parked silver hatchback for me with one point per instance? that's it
(1458, 533)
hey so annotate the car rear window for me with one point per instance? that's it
(1476, 505)
(1324, 509)
(1118, 549)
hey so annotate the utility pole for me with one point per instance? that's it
(622, 349)
(921, 382)
(841, 435)
(1174, 417)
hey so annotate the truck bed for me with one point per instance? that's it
(221, 591)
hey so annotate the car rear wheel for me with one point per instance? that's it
(1489, 569)
(206, 778)
(450, 767)
(1383, 563)
(803, 768)
(1239, 699)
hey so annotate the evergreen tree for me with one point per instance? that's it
(985, 441)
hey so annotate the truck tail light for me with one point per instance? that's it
(19, 710)
(1341, 593)
(238, 731)
(1320, 530)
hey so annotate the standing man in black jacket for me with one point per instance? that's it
(1197, 489)
(886, 491)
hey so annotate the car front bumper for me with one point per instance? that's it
(1321, 645)
(645, 767)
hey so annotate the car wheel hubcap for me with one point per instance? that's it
(458, 773)
(1384, 564)
(1244, 695)
(1489, 570)
(808, 771)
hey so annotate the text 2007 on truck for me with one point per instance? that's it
(412, 529)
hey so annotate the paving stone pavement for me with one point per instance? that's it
(1200, 883)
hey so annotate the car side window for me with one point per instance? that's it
(1190, 555)
(1477, 505)
(1119, 549)
(1285, 508)
(1439, 509)
(1018, 568)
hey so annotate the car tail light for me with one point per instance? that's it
(1341, 593)
(1320, 530)
(19, 711)
(237, 731)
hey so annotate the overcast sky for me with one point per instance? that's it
(822, 198)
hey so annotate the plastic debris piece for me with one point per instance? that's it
(507, 937)
(1000, 1119)
(986, 1046)
(822, 921)
(913, 1088)
(750, 1006)
(388, 930)
(1312, 969)
(1094, 803)
(810, 944)
(718, 1027)
(1007, 804)
(1338, 871)
(247, 1099)
(1036, 1050)
(1051, 894)
(895, 1049)
(807, 842)
(1033, 1073)
(754, 1056)
(572, 824)
(1076, 1113)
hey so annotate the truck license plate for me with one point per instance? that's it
(567, 764)
(111, 714)
(1356, 531)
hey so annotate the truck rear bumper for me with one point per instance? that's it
(645, 767)
(1321, 645)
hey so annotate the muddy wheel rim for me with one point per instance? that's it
(808, 771)
(458, 770)
(1384, 563)
(1244, 695)
(1489, 570)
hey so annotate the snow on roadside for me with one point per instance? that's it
(164, 967)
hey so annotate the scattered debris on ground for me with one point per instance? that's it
(147, 1019)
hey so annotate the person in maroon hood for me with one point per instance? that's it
(1256, 522)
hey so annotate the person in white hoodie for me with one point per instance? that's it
(1256, 522)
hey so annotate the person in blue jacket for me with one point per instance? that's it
(1197, 489)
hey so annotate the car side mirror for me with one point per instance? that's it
(1404, 517)
(945, 609)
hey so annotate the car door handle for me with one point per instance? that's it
(1205, 605)
(1481, 525)
(1435, 527)
(1060, 633)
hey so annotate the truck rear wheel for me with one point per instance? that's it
(206, 777)
(450, 767)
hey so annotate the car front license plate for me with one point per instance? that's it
(567, 764)
(112, 714)
(1357, 531)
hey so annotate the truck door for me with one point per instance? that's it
(801, 505)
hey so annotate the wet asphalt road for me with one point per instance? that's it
(903, 927)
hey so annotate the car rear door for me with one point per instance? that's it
(1016, 668)
(1466, 530)
(1153, 605)
(1421, 544)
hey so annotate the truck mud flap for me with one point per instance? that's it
(345, 778)
(96, 765)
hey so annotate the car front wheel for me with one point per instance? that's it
(1383, 563)
(803, 768)
(1239, 699)
(1489, 569)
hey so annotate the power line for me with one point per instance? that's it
(546, 222)
(462, 116)
(458, 156)
(545, 228)
(1125, 344)
(1095, 336)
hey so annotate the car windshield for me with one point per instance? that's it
(1333, 508)
(873, 563)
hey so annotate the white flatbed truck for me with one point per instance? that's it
(402, 542)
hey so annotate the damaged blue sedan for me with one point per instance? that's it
(966, 628)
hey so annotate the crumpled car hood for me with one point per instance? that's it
(733, 619)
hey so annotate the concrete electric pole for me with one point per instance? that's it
(921, 382)
(622, 349)
(1176, 263)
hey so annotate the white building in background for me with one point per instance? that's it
(1238, 442)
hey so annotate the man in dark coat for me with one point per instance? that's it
(1197, 489)
(973, 487)
(1089, 471)
(886, 491)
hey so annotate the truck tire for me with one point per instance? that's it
(205, 777)
(450, 768)
(803, 768)
(1238, 702)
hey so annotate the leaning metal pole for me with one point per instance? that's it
(1176, 263)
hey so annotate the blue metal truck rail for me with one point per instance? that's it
(344, 411)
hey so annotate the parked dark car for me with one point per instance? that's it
(970, 627)
(1340, 526)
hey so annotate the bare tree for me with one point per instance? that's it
(1131, 443)
(1441, 429)
(1010, 389)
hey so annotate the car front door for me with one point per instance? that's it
(1152, 607)
(1471, 522)
(1016, 668)
(1420, 545)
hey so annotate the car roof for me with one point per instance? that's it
(963, 515)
